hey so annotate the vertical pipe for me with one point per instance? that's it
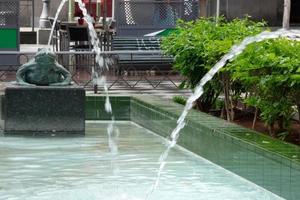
(286, 14)
(70, 10)
(32, 10)
(218, 9)
(113, 9)
(97, 9)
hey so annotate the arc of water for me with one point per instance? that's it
(94, 40)
(235, 51)
(61, 5)
(100, 61)
(95, 43)
(112, 141)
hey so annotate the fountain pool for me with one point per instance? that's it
(181, 122)
(83, 168)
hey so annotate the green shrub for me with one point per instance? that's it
(270, 72)
(179, 99)
(219, 104)
(197, 46)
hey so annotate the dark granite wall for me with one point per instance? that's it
(34, 110)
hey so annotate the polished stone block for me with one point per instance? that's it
(42, 110)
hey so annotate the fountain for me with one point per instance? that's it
(37, 105)
(236, 50)
(43, 101)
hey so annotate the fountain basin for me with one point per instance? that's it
(265, 161)
(43, 110)
(83, 167)
(60, 168)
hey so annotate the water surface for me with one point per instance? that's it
(83, 168)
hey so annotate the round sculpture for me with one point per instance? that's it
(43, 70)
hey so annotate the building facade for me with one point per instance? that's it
(270, 11)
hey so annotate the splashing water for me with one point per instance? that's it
(101, 63)
(61, 5)
(235, 51)
(99, 60)
(112, 131)
(95, 42)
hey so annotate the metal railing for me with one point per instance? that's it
(80, 65)
(27, 13)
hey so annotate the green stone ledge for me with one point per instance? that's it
(230, 130)
(121, 106)
(95, 108)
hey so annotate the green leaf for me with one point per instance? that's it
(296, 77)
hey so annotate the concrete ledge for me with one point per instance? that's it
(43, 110)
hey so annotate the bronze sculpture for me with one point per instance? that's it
(43, 70)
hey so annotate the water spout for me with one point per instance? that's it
(99, 79)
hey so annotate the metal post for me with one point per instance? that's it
(44, 21)
(32, 10)
(71, 10)
(113, 9)
(218, 9)
(286, 14)
(97, 9)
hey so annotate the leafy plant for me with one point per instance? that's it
(179, 99)
(219, 104)
(197, 46)
(270, 71)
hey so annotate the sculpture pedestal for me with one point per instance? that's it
(43, 110)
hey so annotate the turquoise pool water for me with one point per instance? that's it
(83, 168)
